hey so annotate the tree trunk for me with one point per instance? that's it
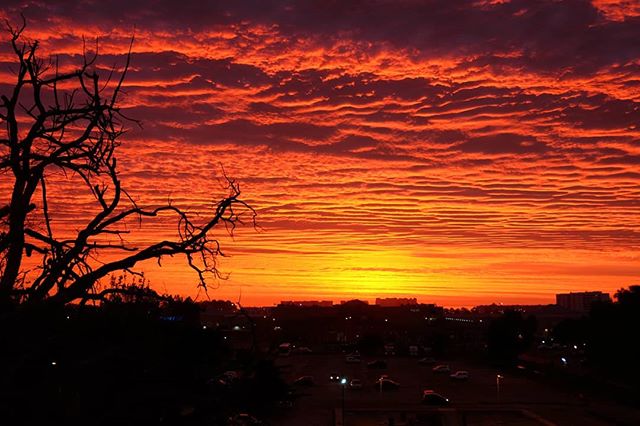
(15, 237)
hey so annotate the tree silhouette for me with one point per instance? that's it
(612, 343)
(509, 335)
(70, 122)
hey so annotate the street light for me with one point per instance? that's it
(343, 382)
(498, 378)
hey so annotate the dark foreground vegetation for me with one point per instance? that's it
(139, 358)
(126, 363)
(610, 335)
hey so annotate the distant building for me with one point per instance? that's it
(218, 307)
(391, 302)
(581, 301)
(258, 311)
(307, 303)
(354, 302)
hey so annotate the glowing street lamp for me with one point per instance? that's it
(499, 377)
(343, 382)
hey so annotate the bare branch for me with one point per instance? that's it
(78, 134)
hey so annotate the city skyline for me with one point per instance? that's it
(576, 302)
(462, 153)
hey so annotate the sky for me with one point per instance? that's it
(460, 152)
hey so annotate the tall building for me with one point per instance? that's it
(391, 302)
(581, 301)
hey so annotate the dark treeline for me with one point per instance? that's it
(134, 359)
(510, 335)
(609, 335)
(597, 351)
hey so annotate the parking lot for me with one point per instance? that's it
(316, 404)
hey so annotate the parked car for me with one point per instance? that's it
(377, 364)
(427, 360)
(384, 384)
(390, 349)
(442, 368)
(304, 381)
(228, 378)
(352, 359)
(285, 403)
(284, 349)
(355, 384)
(460, 375)
(302, 350)
(430, 397)
(243, 420)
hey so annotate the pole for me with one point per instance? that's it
(343, 382)
(343, 386)
(498, 378)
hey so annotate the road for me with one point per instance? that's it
(369, 406)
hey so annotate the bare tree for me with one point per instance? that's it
(71, 122)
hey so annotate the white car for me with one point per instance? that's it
(386, 384)
(302, 350)
(244, 420)
(355, 384)
(460, 375)
(430, 397)
(442, 368)
(427, 360)
(352, 359)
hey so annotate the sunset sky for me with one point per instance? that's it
(461, 152)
